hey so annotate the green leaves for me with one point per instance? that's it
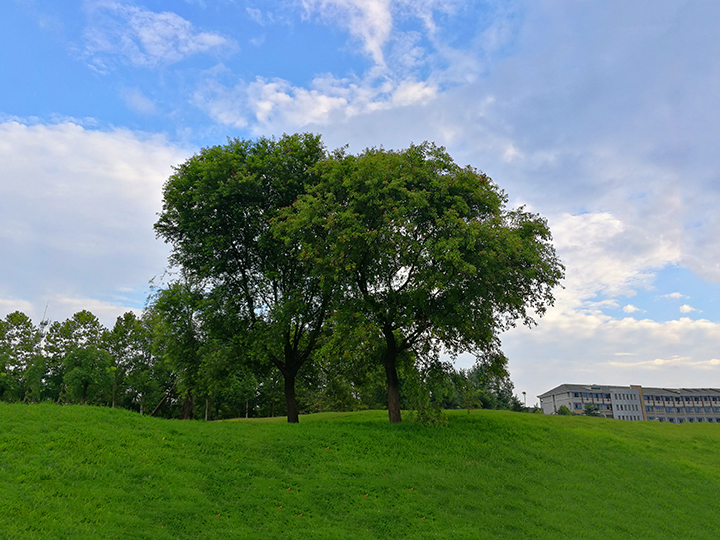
(220, 216)
(425, 250)
(419, 249)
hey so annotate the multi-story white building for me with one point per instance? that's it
(674, 405)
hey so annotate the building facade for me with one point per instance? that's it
(635, 403)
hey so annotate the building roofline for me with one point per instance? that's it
(569, 387)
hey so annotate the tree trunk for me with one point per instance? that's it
(188, 407)
(290, 400)
(393, 385)
(393, 389)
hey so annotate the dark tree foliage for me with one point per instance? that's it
(83, 330)
(217, 216)
(88, 376)
(426, 253)
(591, 409)
(128, 343)
(178, 338)
(19, 357)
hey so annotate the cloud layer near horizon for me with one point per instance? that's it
(78, 207)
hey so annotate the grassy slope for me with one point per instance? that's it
(83, 472)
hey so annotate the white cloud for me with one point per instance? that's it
(62, 307)
(9, 305)
(145, 38)
(675, 295)
(605, 256)
(685, 308)
(276, 105)
(573, 346)
(78, 207)
(260, 17)
(630, 309)
(390, 35)
(683, 362)
(369, 20)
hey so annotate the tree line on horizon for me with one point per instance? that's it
(145, 365)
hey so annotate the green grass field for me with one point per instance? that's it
(82, 472)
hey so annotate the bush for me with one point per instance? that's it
(564, 411)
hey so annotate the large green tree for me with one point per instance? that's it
(129, 344)
(19, 355)
(88, 376)
(178, 337)
(81, 331)
(218, 213)
(426, 252)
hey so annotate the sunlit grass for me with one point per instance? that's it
(84, 472)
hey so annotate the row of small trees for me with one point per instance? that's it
(166, 362)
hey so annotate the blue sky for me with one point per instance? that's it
(601, 116)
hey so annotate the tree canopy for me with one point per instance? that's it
(425, 252)
(218, 216)
(404, 252)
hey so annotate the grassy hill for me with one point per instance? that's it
(83, 472)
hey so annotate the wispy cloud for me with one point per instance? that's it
(413, 60)
(672, 362)
(371, 21)
(145, 38)
(260, 17)
(271, 105)
(675, 295)
(136, 101)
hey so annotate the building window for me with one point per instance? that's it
(577, 405)
(669, 409)
(576, 394)
(707, 409)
